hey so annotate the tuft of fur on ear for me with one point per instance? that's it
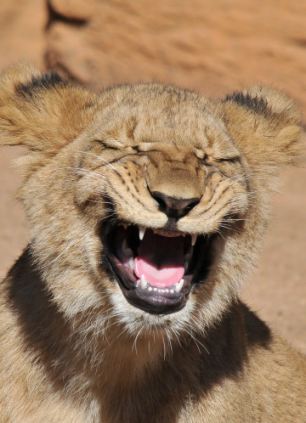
(266, 125)
(41, 111)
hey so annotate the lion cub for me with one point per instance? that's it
(147, 205)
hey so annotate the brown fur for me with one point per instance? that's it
(72, 348)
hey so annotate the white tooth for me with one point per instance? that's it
(167, 290)
(194, 239)
(131, 263)
(137, 283)
(171, 291)
(150, 288)
(143, 282)
(154, 289)
(179, 285)
(142, 232)
(160, 290)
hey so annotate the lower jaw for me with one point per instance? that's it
(157, 303)
(152, 300)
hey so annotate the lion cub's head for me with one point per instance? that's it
(146, 202)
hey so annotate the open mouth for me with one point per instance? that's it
(156, 269)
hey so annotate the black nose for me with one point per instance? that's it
(174, 208)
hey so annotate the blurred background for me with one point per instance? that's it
(213, 46)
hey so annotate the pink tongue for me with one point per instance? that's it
(160, 260)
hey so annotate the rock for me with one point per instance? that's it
(210, 46)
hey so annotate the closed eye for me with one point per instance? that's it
(112, 144)
(228, 159)
(210, 161)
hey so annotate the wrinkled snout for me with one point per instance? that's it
(176, 185)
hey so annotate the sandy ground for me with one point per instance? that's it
(225, 52)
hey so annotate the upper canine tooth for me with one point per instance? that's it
(143, 282)
(193, 239)
(142, 232)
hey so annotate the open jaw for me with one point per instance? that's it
(155, 269)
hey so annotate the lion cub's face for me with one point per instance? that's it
(165, 185)
(147, 202)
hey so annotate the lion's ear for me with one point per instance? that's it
(41, 111)
(266, 126)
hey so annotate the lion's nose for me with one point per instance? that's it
(173, 207)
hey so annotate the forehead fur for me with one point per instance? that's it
(153, 113)
(45, 113)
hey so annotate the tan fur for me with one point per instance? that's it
(72, 348)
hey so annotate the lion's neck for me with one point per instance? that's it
(116, 368)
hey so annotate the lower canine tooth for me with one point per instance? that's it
(131, 263)
(179, 285)
(143, 282)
